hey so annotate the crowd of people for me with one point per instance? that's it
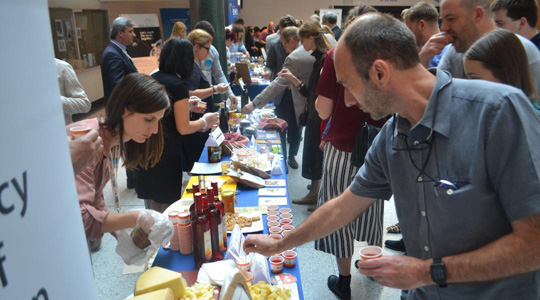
(453, 97)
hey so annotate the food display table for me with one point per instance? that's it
(246, 197)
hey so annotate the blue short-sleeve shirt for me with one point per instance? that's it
(483, 137)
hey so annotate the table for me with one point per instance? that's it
(175, 261)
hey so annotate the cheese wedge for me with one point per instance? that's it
(157, 278)
(164, 294)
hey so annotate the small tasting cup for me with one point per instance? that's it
(286, 216)
(285, 210)
(275, 230)
(225, 166)
(243, 263)
(272, 213)
(272, 208)
(285, 222)
(248, 276)
(273, 224)
(272, 219)
(77, 131)
(371, 252)
(276, 263)
(201, 105)
(287, 227)
(276, 236)
(289, 257)
(285, 232)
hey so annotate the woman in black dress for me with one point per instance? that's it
(313, 39)
(162, 184)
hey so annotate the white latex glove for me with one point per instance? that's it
(222, 88)
(211, 119)
(159, 229)
(193, 102)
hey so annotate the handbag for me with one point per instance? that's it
(362, 142)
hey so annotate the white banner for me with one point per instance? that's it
(43, 250)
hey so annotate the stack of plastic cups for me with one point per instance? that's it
(184, 233)
(173, 217)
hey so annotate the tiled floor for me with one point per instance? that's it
(315, 266)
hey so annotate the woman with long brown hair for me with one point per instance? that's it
(131, 131)
(499, 56)
(313, 39)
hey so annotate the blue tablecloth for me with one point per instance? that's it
(175, 261)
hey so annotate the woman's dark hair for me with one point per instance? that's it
(137, 93)
(249, 42)
(177, 57)
(256, 29)
(206, 26)
(229, 35)
(502, 53)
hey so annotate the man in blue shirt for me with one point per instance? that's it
(462, 159)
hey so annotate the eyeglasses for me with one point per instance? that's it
(438, 184)
(207, 48)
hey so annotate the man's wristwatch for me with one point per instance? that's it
(214, 88)
(300, 86)
(438, 272)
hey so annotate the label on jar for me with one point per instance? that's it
(207, 245)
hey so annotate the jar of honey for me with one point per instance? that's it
(228, 198)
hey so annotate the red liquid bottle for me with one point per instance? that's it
(202, 242)
(192, 211)
(221, 207)
(215, 225)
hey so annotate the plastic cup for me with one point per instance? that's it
(285, 222)
(276, 263)
(243, 263)
(276, 236)
(77, 131)
(286, 216)
(272, 208)
(225, 166)
(272, 213)
(289, 258)
(371, 252)
(285, 232)
(285, 210)
(275, 230)
(273, 224)
(248, 276)
(287, 227)
(272, 219)
(201, 105)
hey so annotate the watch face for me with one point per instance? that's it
(438, 273)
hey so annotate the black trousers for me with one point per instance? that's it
(293, 133)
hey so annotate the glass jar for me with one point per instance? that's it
(214, 154)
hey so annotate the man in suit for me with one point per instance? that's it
(300, 63)
(116, 64)
(330, 19)
(115, 61)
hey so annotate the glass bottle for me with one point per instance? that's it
(202, 241)
(224, 119)
(215, 224)
(221, 207)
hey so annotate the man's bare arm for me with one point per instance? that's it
(328, 218)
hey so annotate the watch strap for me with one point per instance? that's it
(438, 272)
